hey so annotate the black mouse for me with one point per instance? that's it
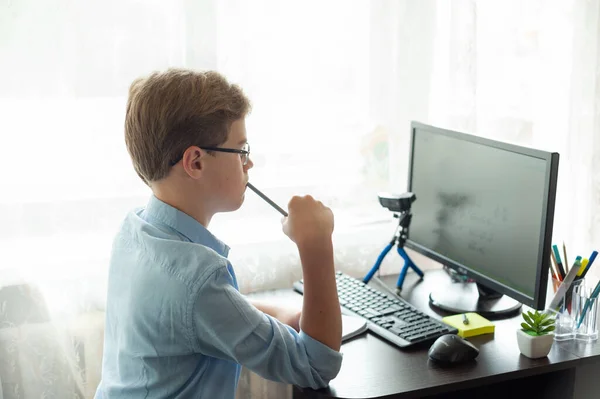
(452, 349)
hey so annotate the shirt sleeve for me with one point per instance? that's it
(228, 327)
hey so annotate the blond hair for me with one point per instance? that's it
(167, 112)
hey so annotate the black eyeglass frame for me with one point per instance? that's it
(221, 149)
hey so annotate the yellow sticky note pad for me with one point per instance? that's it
(477, 324)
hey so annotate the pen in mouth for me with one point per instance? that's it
(267, 199)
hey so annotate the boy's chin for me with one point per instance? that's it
(234, 206)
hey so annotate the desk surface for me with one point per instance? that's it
(372, 368)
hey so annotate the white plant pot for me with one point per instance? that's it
(534, 347)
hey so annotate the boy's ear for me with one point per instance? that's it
(192, 162)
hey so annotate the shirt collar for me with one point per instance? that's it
(161, 212)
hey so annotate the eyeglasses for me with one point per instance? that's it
(244, 153)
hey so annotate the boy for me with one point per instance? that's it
(176, 325)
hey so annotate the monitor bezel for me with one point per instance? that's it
(538, 301)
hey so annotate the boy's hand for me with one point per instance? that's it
(308, 219)
(310, 225)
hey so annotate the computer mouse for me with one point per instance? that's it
(452, 349)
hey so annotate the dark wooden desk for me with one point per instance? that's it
(372, 368)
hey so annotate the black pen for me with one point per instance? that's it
(267, 199)
(465, 319)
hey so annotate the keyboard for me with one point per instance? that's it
(391, 318)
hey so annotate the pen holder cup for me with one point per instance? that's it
(584, 314)
(564, 315)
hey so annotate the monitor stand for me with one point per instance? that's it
(473, 297)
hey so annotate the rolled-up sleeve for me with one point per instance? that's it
(225, 325)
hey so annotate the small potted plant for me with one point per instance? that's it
(535, 338)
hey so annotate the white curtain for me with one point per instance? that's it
(528, 72)
(334, 86)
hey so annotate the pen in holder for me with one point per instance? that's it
(564, 316)
(585, 312)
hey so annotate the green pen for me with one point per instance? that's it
(561, 270)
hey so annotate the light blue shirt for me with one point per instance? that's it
(177, 326)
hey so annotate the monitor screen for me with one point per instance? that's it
(484, 208)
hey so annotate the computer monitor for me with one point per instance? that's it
(484, 209)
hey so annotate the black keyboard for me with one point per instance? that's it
(391, 318)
